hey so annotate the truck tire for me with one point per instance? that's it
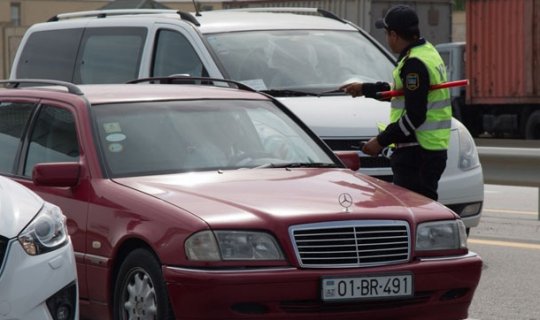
(532, 128)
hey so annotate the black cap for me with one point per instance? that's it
(398, 18)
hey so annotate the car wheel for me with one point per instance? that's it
(140, 291)
(532, 129)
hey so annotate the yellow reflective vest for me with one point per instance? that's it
(434, 133)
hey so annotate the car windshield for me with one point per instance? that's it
(148, 138)
(310, 60)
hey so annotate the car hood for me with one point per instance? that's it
(340, 116)
(18, 206)
(259, 198)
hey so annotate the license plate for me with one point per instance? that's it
(377, 286)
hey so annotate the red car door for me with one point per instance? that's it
(53, 137)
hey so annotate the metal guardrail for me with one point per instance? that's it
(511, 166)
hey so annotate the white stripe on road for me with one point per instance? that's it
(510, 211)
(520, 245)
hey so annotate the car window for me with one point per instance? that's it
(284, 59)
(110, 55)
(13, 120)
(50, 55)
(53, 138)
(175, 55)
(181, 136)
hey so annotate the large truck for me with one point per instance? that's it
(501, 59)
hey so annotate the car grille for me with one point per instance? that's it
(351, 243)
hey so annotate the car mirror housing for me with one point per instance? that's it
(56, 174)
(349, 158)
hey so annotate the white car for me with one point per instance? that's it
(38, 279)
(301, 57)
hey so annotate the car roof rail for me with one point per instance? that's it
(121, 12)
(15, 83)
(181, 79)
(313, 11)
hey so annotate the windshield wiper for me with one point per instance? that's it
(334, 92)
(298, 165)
(289, 93)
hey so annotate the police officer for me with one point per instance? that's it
(419, 129)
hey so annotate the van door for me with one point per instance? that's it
(174, 55)
(110, 54)
(179, 51)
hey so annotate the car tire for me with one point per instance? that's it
(140, 291)
(532, 128)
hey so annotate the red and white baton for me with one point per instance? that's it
(450, 84)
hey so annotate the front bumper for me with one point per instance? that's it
(33, 287)
(443, 289)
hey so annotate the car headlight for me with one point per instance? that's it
(441, 235)
(232, 245)
(468, 155)
(46, 232)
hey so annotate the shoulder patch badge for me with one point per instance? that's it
(411, 81)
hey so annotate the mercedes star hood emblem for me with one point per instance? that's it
(345, 200)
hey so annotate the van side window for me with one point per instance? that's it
(53, 138)
(13, 120)
(50, 55)
(110, 55)
(174, 55)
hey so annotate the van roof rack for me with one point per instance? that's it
(15, 83)
(312, 11)
(178, 79)
(121, 12)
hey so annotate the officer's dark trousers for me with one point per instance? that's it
(418, 169)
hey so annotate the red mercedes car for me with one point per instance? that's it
(190, 201)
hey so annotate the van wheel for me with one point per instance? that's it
(532, 128)
(140, 291)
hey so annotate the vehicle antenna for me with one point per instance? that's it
(197, 13)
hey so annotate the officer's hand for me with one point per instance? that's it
(372, 147)
(354, 89)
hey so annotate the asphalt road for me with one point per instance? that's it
(508, 240)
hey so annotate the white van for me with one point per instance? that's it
(300, 56)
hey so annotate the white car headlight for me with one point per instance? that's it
(441, 235)
(46, 232)
(232, 245)
(468, 155)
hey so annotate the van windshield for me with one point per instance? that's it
(311, 60)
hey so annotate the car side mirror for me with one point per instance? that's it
(56, 174)
(349, 158)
